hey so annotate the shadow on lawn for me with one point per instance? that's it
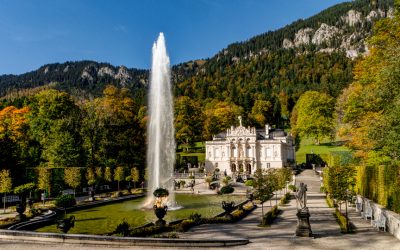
(89, 219)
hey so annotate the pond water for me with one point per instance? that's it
(104, 219)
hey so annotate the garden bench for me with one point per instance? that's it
(67, 191)
(380, 222)
(367, 213)
(11, 198)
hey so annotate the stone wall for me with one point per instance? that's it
(392, 218)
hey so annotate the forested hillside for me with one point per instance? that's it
(260, 79)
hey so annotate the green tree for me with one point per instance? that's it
(313, 116)
(188, 120)
(283, 175)
(5, 184)
(55, 124)
(90, 176)
(338, 180)
(72, 177)
(44, 179)
(119, 175)
(263, 187)
(220, 116)
(261, 112)
(99, 174)
(108, 175)
(134, 176)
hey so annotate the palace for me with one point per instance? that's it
(240, 150)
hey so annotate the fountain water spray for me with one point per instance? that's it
(160, 130)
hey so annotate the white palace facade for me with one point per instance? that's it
(240, 150)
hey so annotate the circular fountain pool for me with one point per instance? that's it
(104, 219)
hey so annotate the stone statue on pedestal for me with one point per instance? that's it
(303, 215)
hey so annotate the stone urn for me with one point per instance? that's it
(160, 209)
(160, 212)
(20, 208)
(66, 224)
(228, 207)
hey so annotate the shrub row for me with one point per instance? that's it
(270, 216)
(342, 221)
(329, 201)
(285, 199)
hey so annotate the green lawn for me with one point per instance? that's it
(104, 219)
(307, 146)
(200, 156)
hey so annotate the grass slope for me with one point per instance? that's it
(307, 146)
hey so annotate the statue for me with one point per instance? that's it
(301, 196)
(303, 215)
(240, 120)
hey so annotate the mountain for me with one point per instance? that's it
(278, 66)
(317, 53)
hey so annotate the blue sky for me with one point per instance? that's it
(121, 32)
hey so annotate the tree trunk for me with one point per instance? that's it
(347, 219)
(262, 209)
(5, 199)
(118, 186)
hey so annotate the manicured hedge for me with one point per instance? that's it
(285, 199)
(380, 184)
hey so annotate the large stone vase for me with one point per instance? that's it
(20, 207)
(228, 207)
(160, 212)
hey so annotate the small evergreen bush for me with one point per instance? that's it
(66, 200)
(227, 190)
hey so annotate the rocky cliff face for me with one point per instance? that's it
(325, 34)
(348, 34)
(303, 37)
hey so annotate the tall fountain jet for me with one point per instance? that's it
(160, 131)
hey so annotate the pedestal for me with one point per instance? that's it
(303, 223)
(160, 223)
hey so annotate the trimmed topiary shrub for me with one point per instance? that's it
(64, 201)
(161, 192)
(227, 190)
(123, 228)
(195, 217)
